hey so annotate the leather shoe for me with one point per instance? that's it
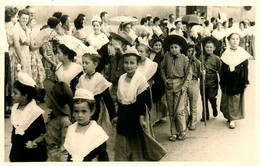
(232, 125)
(182, 136)
(192, 128)
(173, 137)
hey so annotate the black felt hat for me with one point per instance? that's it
(173, 39)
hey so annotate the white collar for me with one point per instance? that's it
(21, 120)
(234, 58)
(79, 148)
(148, 68)
(96, 84)
(127, 93)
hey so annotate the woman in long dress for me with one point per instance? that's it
(11, 60)
(38, 72)
(233, 80)
(22, 41)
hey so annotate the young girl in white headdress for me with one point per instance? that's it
(99, 86)
(27, 121)
(233, 80)
(85, 139)
(131, 125)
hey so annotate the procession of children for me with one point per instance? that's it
(129, 80)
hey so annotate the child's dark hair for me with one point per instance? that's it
(208, 42)
(25, 90)
(65, 50)
(91, 104)
(94, 57)
(138, 58)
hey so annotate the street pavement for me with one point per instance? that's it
(212, 143)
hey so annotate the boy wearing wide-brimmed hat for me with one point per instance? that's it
(212, 66)
(59, 98)
(174, 70)
(112, 54)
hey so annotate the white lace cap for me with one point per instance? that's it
(25, 79)
(96, 18)
(83, 94)
(178, 19)
(131, 50)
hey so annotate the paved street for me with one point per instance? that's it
(214, 142)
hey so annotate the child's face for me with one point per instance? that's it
(142, 52)
(82, 113)
(209, 48)
(88, 65)
(130, 64)
(17, 96)
(234, 41)
(175, 49)
(157, 47)
(48, 102)
(190, 52)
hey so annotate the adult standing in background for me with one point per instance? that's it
(80, 32)
(97, 39)
(170, 24)
(233, 80)
(105, 28)
(10, 58)
(157, 31)
(65, 24)
(22, 40)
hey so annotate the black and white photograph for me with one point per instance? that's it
(112, 82)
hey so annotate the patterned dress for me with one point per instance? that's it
(38, 72)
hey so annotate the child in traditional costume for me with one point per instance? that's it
(85, 139)
(131, 126)
(27, 121)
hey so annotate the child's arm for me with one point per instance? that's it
(65, 123)
(109, 104)
(102, 152)
(162, 66)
